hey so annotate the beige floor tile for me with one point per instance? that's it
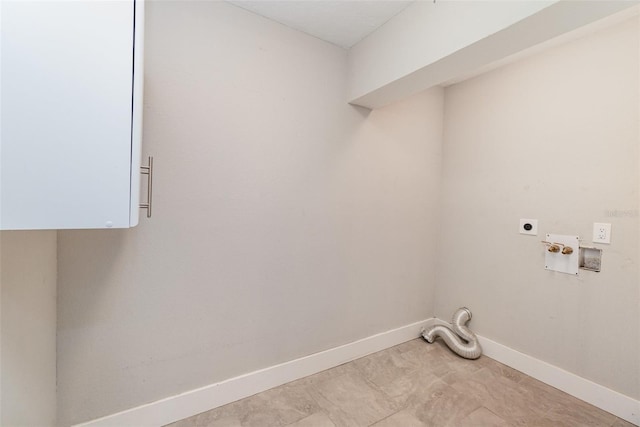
(395, 374)
(447, 407)
(414, 389)
(279, 406)
(319, 419)
(622, 423)
(580, 414)
(229, 421)
(400, 419)
(442, 362)
(209, 419)
(564, 409)
(413, 384)
(383, 367)
(500, 369)
(482, 417)
(502, 396)
(351, 401)
(276, 407)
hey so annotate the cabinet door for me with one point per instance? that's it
(66, 114)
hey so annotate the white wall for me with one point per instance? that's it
(286, 222)
(554, 137)
(28, 328)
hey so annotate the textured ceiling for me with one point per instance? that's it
(343, 23)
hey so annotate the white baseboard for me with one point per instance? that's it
(606, 399)
(193, 402)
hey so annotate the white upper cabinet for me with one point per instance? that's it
(71, 113)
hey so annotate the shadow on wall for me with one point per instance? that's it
(362, 111)
(86, 303)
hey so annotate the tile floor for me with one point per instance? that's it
(410, 385)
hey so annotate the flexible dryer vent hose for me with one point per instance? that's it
(458, 337)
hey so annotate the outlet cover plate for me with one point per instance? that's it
(534, 226)
(601, 232)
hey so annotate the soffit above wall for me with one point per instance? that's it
(343, 23)
(430, 44)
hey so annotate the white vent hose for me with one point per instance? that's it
(458, 337)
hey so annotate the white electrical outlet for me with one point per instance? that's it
(529, 226)
(601, 232)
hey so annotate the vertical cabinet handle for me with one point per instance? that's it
(148, 170)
